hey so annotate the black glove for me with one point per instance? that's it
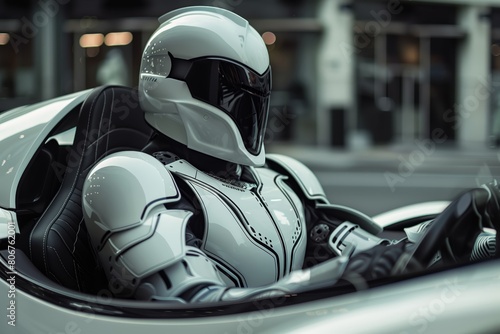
(375, 263)
(454, 233)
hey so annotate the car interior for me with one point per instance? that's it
(54, 252)
(52, 231)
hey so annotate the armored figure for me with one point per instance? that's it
(202, 213)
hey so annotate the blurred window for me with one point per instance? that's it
(17, 73)
(405, 70)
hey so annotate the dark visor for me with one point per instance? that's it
(232, 87)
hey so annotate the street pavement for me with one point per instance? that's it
(376, 180)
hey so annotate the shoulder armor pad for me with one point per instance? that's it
(120, 191)
(131, 255)
(302, 175)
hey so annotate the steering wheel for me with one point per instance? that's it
(454, 231)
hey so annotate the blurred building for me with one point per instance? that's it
(346, 73)
(419, 72)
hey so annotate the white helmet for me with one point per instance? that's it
(205, 82)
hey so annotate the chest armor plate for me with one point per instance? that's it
(254, 234)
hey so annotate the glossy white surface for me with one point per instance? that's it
(256, 236)
(65, 138)
(409, 212)
(168, 103)
(165, 246)
(348, 238)
(213, 31)
(121, 189)
(8, 224)
(461, 301)
(306, 179)
(22, 131)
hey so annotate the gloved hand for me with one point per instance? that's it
(375, 263)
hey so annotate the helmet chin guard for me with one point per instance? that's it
(205, 82)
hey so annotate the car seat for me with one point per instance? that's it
(110, 121)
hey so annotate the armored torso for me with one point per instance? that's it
(254, 233)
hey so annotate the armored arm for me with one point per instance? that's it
(128, 201)
(140, 243)
(347, 232)
(330, 226)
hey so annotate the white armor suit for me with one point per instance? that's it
(202, 214)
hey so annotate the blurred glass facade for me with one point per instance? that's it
(346, 73)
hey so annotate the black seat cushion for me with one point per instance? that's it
(110, 121)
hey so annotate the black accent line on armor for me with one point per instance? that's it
(108, 234)
(280, 177)
(150, 204)
(103, 241)
(338, 233)
(219, 262)
(283, 245)
(257, 179)
(203, 210)
(180, 174)
(138, 241)
(347, 233)
(195, 252)
(186, 267)
(238, 281)
(234, 208)
(293, 252)
(280, 187)
(228, 268)
(166, 279)
(318, 198)
(189, 294)
(176, 196)
(240, 218)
